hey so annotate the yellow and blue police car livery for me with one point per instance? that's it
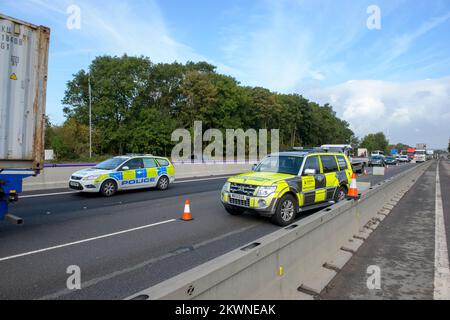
(125, 172)
(299, 181)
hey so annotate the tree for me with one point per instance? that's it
(49, 133)
(355, 143)
(136, 105)
(375, 141)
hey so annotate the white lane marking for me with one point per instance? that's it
(71, 192)
(47, 194)
(146, 263)
(441, 265)
(86, 240)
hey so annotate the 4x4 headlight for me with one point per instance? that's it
(265, 191)
(226, 187)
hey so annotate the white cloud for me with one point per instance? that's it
(408, 112)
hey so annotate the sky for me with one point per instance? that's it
(384, 70)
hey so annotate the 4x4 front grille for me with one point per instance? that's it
(245, 189)
(242, 203)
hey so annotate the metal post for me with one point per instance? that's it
(90, 116)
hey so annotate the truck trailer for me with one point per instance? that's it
(359, 164)
(23, 84)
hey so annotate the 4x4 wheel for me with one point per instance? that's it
(286, 210)
(108, 188)
(340, 194)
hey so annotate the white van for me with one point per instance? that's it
(377, 153)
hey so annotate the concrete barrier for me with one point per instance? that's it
(296, 262)
(58, 177)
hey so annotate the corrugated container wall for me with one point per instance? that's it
(23, 81)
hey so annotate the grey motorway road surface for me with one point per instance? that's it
(122, 244)
(403, 247)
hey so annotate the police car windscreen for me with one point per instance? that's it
(110, 163)
(281, 164)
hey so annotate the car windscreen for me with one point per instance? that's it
(390, 158)
(281, 164)
(110, 163)
(376, 158)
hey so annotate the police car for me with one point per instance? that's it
(286, 183)
(124, 173)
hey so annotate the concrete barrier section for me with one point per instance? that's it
(58, 177)
(296, 262)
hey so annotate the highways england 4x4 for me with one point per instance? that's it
(284, 184)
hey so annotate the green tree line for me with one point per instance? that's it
(137, 104)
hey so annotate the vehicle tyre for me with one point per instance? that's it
(234, 211)
(340, 194)
(163, 183)
(286, 210)
(108, 188)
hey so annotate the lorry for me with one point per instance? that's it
(410, 153)
(421, 146)
(430, 154)
(363, 153)
(23, 84)
(359, 164)
(420, 155)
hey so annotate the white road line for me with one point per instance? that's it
(114, 274)
(86, 240)
(441, 265)
(47, 194)
(71, 192)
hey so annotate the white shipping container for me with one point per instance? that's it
(23, 81)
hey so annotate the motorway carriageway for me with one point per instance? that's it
(410, 248)
(122, 244)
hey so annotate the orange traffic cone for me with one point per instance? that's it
(353, 191)
(187, 211)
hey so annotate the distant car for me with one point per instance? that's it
(404, 159)
(124, 173)
(376, 161)
(390, 161)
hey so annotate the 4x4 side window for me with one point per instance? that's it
(312, 162)
(329, 164)
(342, 163)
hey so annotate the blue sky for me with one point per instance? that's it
(396, 79)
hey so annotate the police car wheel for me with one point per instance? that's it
(286, 211)
(340, 194)
(163, 183)
(108, 188)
